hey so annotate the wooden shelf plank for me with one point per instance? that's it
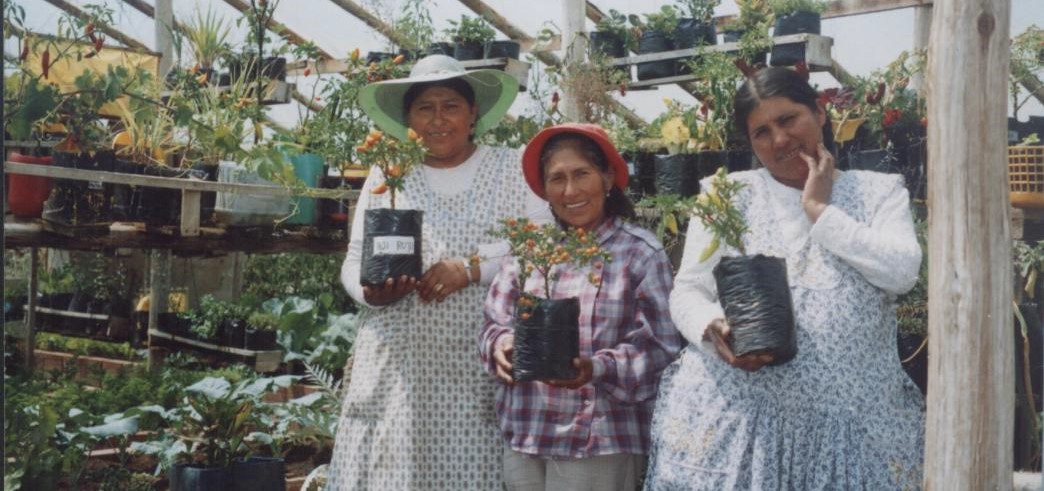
(211, 241)
(817, 57)
(188, 184)
(264, 361)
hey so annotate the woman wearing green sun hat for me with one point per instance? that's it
(418, 412)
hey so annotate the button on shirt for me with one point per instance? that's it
(626, 330)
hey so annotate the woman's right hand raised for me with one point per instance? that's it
(391, 292)
(720, 334)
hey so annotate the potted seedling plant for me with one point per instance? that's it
(752, 289)
(208, 36)
(612, 37)
(695, 139)
(470, 35)
(695, 27)
(657, 34)
(547, 329)
(392, 238)
(794, 17)
(750, 30)
(261, 331)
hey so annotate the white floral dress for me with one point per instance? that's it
(842, 414)
(418, 412)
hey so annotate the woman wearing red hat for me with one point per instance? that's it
(591, 432)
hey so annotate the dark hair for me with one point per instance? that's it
(617, 204)
(776, 82)
(457, 85)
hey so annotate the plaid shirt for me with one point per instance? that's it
(626, 330)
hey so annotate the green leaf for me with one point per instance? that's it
(118, 427)
(39, 100)
(212, 387)
(709, 250)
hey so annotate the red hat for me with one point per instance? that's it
(531, 157)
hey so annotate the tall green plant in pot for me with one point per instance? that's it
(695, 27)
(657, 35)
(471, 35)
(213, 437)
(391, 237)
(751, 30)
(694, 139)
(753, 290)
(547, 329)
(794, 17)
(612, 37)
(208, 36)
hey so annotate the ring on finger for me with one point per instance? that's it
(439, 287)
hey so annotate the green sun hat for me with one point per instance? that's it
(494, 93)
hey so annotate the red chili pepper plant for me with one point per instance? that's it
(393, 157)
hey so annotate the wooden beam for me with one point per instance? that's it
(280, 29)
(842, 8)
(209, 242)
(375, 23)
(1034, 86)
(105, 28)
(840, 74)
(968, 435)
(545, 57)
(575, 39)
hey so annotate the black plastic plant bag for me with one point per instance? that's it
(391, 245)
(755, 295)
(547, 341)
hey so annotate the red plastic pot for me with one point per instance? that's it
(26, 194)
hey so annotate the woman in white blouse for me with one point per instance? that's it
(842, 414)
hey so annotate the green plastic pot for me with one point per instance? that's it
(308, 167)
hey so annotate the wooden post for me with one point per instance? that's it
(30, 315)
(575, 39)
(922, 30)
(159, 294)
(968, 441)
(165, 36)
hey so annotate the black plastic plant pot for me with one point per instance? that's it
(469, 51)
(160, 206)
(184, 477)
(678, 174)
(690, 34)
(258, 474)
(274, 68)
(547, 340)
(915, 363)
(440, 48)
(654, 42)
(793, 23)
(207, 199)
(879, 160)
(124, 196)
(391, 245)
(76, 202)
(233, 333)
(734, 36)
(606, 44)
(755, 294)
(259, 339)
(379, 56)
(504, 48)
(739, 160)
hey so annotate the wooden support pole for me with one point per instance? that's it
(30, 315)
(574, 35)
(164, 26)
(148, 10)
(159, 295)
(377, 24)
(922, 32)
(105, 28)
(968, 440)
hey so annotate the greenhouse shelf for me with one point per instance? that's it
(262, 361)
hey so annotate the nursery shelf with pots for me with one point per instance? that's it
(817, 57)
(275, 92)
(262, 361)
(187, 235)
(516, 68)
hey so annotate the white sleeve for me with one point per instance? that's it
(352, 266)
(885, 251)
(694, 299)
(538, 211)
